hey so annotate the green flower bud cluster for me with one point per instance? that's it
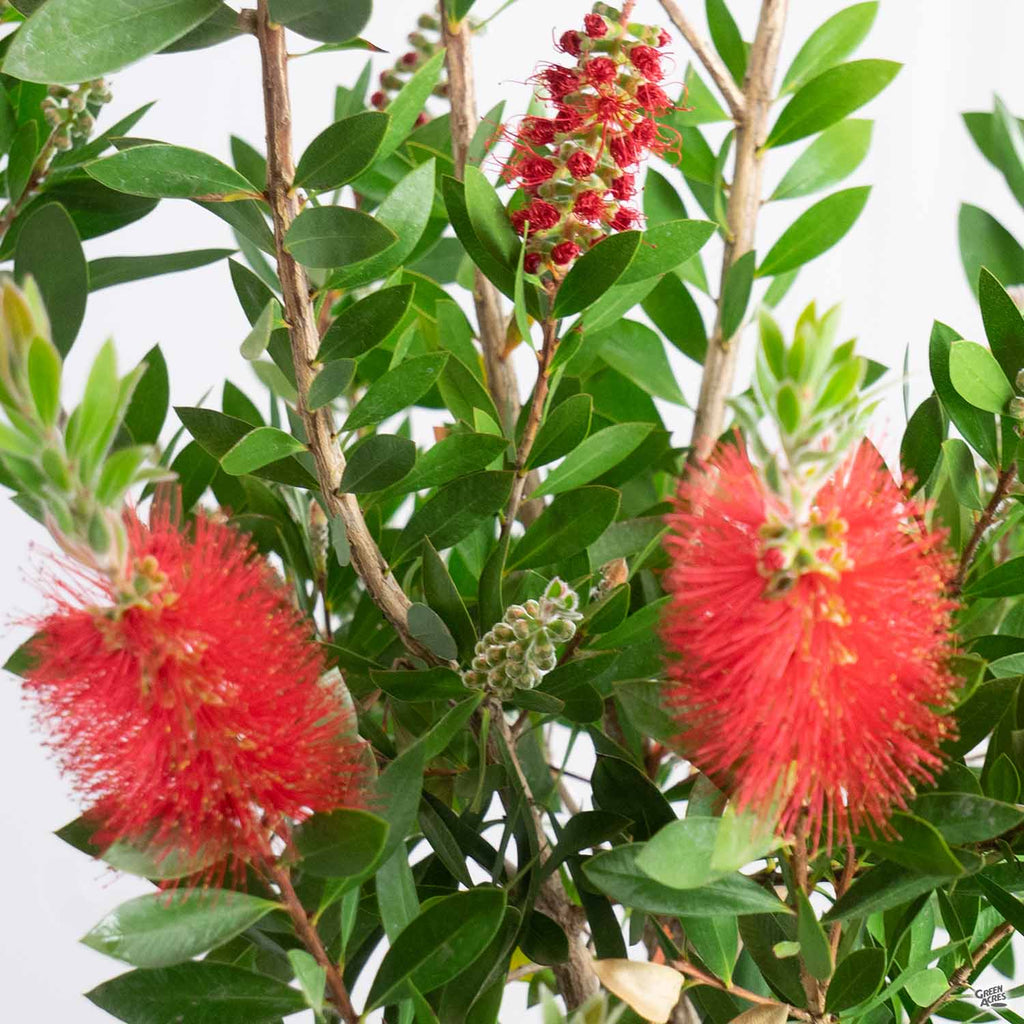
(1016, 407)
(71, 113)
(66, 469)
(810, 392)
(520, 650)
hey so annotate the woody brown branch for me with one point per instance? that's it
(1003, 483)
(744, 198)
(367, 559)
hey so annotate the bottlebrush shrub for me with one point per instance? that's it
(563, 707)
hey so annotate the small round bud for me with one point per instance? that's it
(1017, 408)
(1019, 382)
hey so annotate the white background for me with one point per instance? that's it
(897, 271)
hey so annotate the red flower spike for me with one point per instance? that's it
(624, 151)
(819, 696)
(664, 38)
(197, 720)
(542, 215)
(533, 170)
(564, 252)
(601, 71)
(580, 165)
(539, 131)
(647, 61)
(560, 81)
(653, 98)
(623, 187)
(518, 219)
(624, 219)
(567, 120)
(595, 26)
(532, 262)
(570, 43)
(645, 133)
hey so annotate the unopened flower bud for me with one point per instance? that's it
(1017, 408)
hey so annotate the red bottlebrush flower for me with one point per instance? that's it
(567, 119)
(663, 38)
(647, 61)
(645, 133)
(196, 720)
(559, 81)
(624, 150)
(595, 26)
(532, 262)
(518, 219)
(601, 70)
(564, 252)
(816, 692)
(542, 215)
(589, 206)
(570, 43)
(624, 219)
(532, 170)
(653, 97)
(378, 100)
(623, 187)
(580, 165)
(540, 131)
(410, 59)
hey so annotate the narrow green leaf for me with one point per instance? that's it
(962, 473)
(342, 151)
(1011, 908)
(920, 847)
(259, 448)
(836, 153)
(455, 456)
(814, 946)
(44, 369)
(489, 218)
(334, 236)
(595, 272)
(161, 929)
(330, 383)
(114, 270)
(736, 293)
(829, 97)
(727, 39)
(563, 429)
(570, 524)
(443, 596)
(594, 456)
(312, 978)
(428, 627)
(258, 338)
(977, 377)
(342, 844)
(665, 247)
(396, 390)
(160, 171)
(984, 242)
(922, 441)
(321, 19)
(815, 231)
(365, 323)
(1004, 325)
(834, 40)
(377, 462)
(857, 978)
(408, 104)
(106, 37)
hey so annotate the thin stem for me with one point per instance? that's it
(305, 339)
(714, 65)
(311, 940)
(959, 978)
(1003, 483)
(540, 394)
(743, 207)
(751, 997)
(843, 883)
(801, 882)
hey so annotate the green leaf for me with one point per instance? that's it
(161, 929)
(63, 283)
(22, 158)
(398, 793)
(834, 40)
(489, 218)
(984, 242)
(883, 886)
(396, 390)
(666, 246)
(92, 419)
(421, 684)
(563, 429)
(455, 456)
(570, 524)
(977, 377)
(312, 978)
(736, 293)
(836, 153)
(1005, 580)
(113, 270)
(617, 875)
(202, 992)
(405, 213)
(342, 844)
(408, 104)
(377, 462)
(106, 37)
(365, 323)
(857, 978)
(976, 427)
(829, 97)
(674, 312)
(1004, 325)
(639, 355)
(258, 338)
(334, 236)
(443, 596)
(922, 441)
(331, 382)
(218, 434)
(438, 944)
(259, 448)
(455, 511)
(689, 853)
(44, 368)
(814, 946)
(976, 716)
(595, 272)
(219, 27)
(920, 847)
(716, 941)
(342, 151)
(727, 39)
(1011, 908)
(962, 474)
(159, 171)
(643, 702)
(701, 106)
(428, 627)
(815, 231)
(323, 20)
(594, 456)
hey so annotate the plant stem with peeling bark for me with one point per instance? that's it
(305, 339)
(751, 997)
(311, 940)
(540, 394)
(744, 200)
